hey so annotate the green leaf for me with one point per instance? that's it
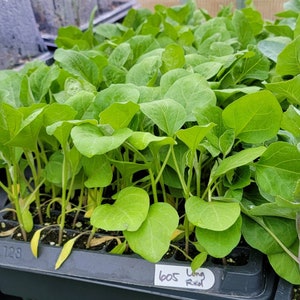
(288, 61)
(152, 239)
(272, 46)
(217, 216)
(98, 171)
(239, 159)
(208, 69)
(257, 237)
(252, 66)
(27, 220)
(288, 89)
(198, 261)
(191, 92)
(192, 136)
(119, 115)
(160, 111)
(145, 72)
(172, 58)
(61, 129)
(291, 121)
(278, 170)
(90, 140)
(243, 29)
(78, 64)
(141, 140)
(285, 266)
(29, 129)
(255, 118)
(220, 243)
(128, 212)
(120, 55)
(116, 93)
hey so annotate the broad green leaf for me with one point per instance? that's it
(61, 129)
(53, 169)
(255, 117)
(255, 20)
(78, 64)
(225, 94)
(278, 170)
(27, 134)
(116, 93)
(288, 89)
(191, 92)
(90, 140)
(98, 171)
(41, 79)
(239, 159)
(288, 61)
(285, 266)
(10, 121)
(108, 30)
(141, 140)
(226, 141)
(119, 115)
(141, 44)
(120, 55)
(172, 58)
(69, 36)
(243, 29)
(220, 243)
(160, 111)
(257, 237)
(238, 178)
(128, 168)
(152, 239)
(10, 85)
(280, 30)
(144, 72)
(80, 102)
(57, 112)
(252, 66)
(217, 216)
(208, 69)
(272, 46)
(221, 49)
(170, 77)
(291, 121)
(128, 212)
(192, 136)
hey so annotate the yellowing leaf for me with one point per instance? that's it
(34, 243)
(65, 252)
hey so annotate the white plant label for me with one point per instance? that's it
(183, 277)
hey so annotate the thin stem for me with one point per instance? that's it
(181, 179)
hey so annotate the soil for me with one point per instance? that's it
(296, 295)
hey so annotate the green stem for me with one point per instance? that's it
(64, 195)
(16, 203)
(181, 179)
(265, 227)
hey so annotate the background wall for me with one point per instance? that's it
(267, 7)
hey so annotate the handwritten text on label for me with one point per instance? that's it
(183, 277)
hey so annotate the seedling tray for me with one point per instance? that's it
(169, 278)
